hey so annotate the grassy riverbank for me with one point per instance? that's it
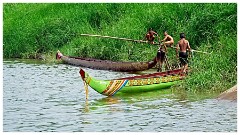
(31, 30)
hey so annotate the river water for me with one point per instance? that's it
(51, 97)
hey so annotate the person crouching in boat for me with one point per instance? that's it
(150, 36)
(183, 45)
(161, 54)
(168, 40)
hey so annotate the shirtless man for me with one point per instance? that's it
(168, 40)
(183, 45)
(150, 36)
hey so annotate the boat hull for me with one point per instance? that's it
(131, 84)
(107, 65)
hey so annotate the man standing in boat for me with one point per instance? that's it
(183, 45)
(161, 56)
(168, 40)
(150, 36)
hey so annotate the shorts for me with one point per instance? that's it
(183, 58)
(160, 56)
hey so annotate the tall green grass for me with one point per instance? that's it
(33, 29)
(215, 71)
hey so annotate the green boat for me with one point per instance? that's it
(135, 84)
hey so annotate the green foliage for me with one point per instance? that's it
(216, 71)
(31, 29)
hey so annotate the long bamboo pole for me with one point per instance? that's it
(126, 39)
(194, 50)
(133, 40)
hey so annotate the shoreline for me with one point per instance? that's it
(230, 94)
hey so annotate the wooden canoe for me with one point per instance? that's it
(107, 65)
(142, 83)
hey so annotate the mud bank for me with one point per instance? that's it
(230, 94)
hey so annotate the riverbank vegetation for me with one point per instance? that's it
(32, 30)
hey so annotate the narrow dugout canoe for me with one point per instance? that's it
(142, 83)
(107, 65)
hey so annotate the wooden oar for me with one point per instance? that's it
(126, 39)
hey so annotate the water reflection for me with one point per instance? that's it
(86, 108)
(111, 103)
(109, 100)
(144, 100)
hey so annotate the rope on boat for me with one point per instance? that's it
(86, 89)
